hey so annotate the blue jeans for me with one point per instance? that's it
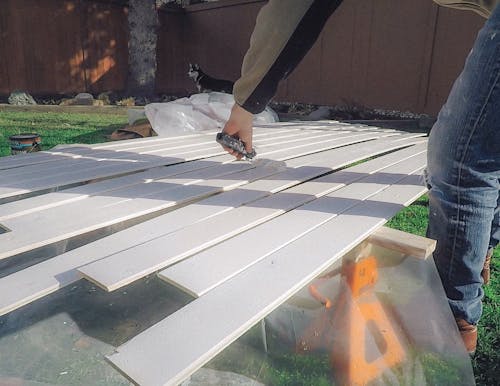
(463, 175)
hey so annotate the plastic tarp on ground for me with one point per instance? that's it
(394, 329)
(384, 322)
(200, 112)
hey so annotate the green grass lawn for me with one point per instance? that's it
(58, 128)
(63, 128)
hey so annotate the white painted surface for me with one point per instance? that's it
(57, 223)
(210, 268)
(134, 263)
(46, 277)
(103, 164)
(159, 355)
(222, 202)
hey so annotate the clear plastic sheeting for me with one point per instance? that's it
(373, 319)
(200, 112)
(63, 338)
(376, 318)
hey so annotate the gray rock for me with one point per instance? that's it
(209, 377)
(21, 98)
(323, 112)
(84, 99)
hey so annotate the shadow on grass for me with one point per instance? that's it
(101, 135)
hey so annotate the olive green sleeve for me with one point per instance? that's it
(284, 32)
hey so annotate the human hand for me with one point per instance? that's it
(239, 126)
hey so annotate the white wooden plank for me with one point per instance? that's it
(21, 160)
(125, 143)
(121, 269)
(98, 160)
(51, 226)
(130, 151)
(407, 243)
(67, 178)
(61, 152)
(263, 140)
(44, 278)
(166, 149)
(31, 159)
(118, 145)
(75, 151)
(25, 207)
(309, 144)
(320, 144)
(152, 148)
(160, 355)
(388, 138)
(50, 200)
(58, 223)
(209, 268)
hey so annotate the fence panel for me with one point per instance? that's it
(401, 55)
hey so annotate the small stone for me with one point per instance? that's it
(21, 98)
(84, 99)
(323, 112)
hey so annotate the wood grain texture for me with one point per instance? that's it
(407, 243)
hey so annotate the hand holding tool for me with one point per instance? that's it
(235, 144)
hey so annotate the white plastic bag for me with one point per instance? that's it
(207, 111)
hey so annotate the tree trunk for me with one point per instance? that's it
(143, 26)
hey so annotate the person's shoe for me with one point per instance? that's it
(485, 273)
(468, 332)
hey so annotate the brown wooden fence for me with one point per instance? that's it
(56, 46)
(390, 54)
